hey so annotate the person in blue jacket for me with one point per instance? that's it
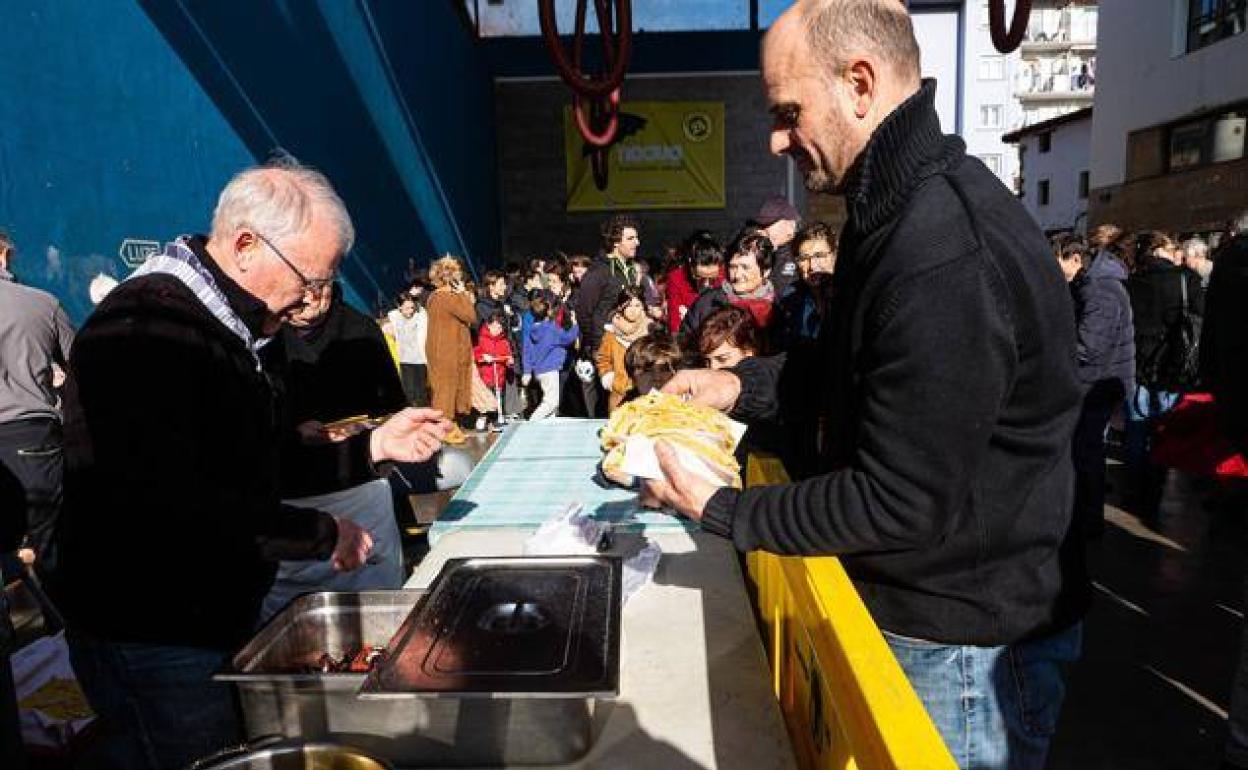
(546, 346)
(1105, 354)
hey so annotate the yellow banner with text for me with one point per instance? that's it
(666, 155)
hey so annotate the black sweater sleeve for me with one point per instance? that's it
(760, 380)
(929, 410)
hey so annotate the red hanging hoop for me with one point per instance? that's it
(584, 124)
(602, 91)
(617, 51)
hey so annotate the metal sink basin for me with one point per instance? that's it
(535, 627)
(500, 664)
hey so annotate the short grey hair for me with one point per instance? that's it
(1195, 245)
(883, 27)
(1239, 223)
(277, 201)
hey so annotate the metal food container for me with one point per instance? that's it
(500, 664)
(274, 754)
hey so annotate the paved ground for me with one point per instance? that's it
(1153, 687)
(1162, 639)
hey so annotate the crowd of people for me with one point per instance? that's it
(550, 337)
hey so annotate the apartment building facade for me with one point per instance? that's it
(1168, 149)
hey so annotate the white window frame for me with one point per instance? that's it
(983, 108)
(986, 62)
(997, 160)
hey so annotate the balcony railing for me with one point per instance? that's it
(1057, 95)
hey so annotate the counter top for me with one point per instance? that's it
(695, 689)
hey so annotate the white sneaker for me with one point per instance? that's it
(480, 424)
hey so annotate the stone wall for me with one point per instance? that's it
(1196, 200)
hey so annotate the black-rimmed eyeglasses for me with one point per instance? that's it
(310, 285)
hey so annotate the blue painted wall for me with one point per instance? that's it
(123, 119)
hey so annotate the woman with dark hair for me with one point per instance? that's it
(629, 323)
(701, 268)
(727, 337)
(749, 266)
(1161, 292)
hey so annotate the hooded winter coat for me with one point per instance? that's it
(1106, 342)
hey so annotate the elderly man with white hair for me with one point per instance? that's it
(173, 526)
(1196, 258)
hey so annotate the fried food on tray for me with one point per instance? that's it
(692, 429)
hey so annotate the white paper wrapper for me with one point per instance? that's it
(641, 461)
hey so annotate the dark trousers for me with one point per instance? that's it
(158, 705)
(582, 399)
(32, 468)
(415, 378)
(1088, 454)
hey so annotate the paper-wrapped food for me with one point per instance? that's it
(703, 438)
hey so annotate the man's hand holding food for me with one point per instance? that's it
(680, 489)
(410, 436)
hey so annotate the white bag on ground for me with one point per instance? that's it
(372, 508)
(53, 707)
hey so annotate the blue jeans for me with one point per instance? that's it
(995, 707)
(159, 704)
(1144, 406)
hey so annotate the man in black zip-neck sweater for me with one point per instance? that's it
(946, 485)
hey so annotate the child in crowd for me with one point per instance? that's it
(727, 337)
(408, 324)
(652, 361)
(493, 356)
(545, 350)
(629, 323)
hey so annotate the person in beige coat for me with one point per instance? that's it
(448, 346)
(629, 323)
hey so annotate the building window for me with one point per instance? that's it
(1046, 141)
(1212, 139)
(990, 116)
(993, 162)
(1042, 192)
(1083, 185)
(992, 68)
(1209, 21)
(1187, 143)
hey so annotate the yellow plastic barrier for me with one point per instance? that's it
(845, 699)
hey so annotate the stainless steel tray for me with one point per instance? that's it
(530, 627)
(317, 623)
